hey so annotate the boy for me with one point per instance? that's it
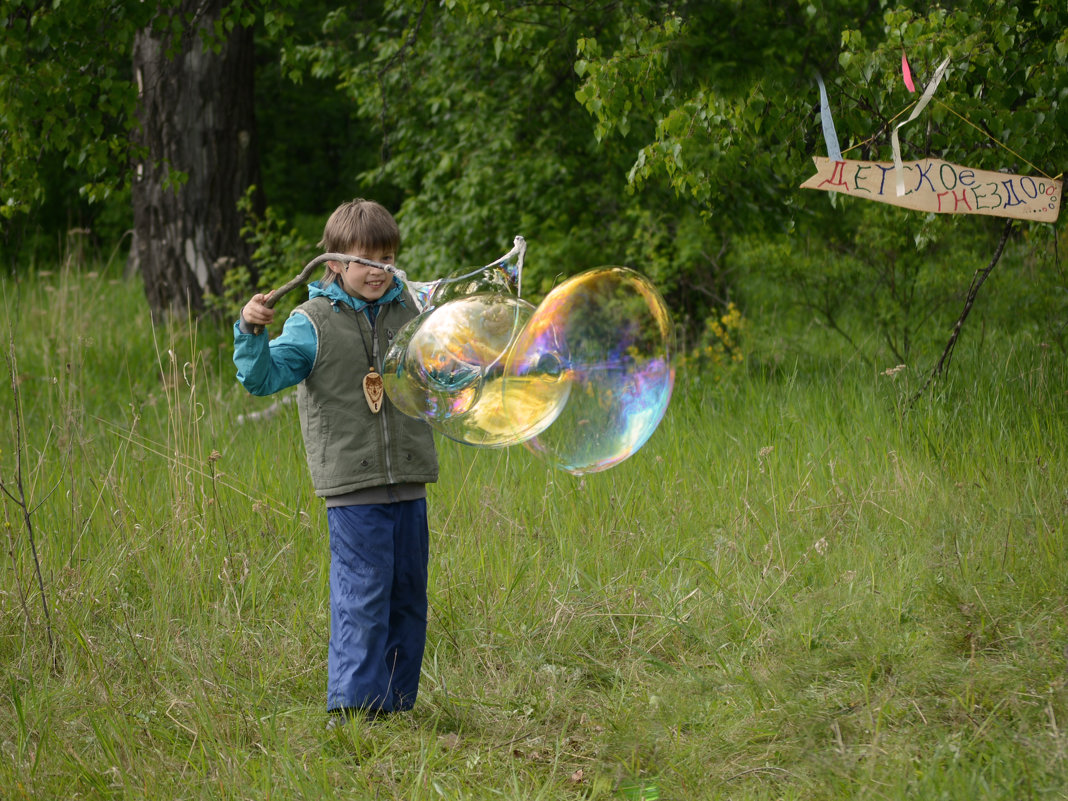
(368, 461)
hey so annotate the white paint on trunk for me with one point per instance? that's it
(194, 257)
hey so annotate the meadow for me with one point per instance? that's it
(801, 588)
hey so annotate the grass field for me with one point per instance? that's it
(799, 589)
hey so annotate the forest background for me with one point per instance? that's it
(824, 577)
(668, 136)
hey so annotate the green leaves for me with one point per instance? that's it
(574, 125)
(67, 95)
(614, 86)
(64, 93)
(710, 89)
(474, 103)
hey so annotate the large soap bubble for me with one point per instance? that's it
(446, 367)
(583, 380)
(606, 334)
(501, 277)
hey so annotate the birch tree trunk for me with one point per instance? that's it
(195, 155)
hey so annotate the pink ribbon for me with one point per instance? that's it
(907, 73)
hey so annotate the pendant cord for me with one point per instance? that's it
(371, 367)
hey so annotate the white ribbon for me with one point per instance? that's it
(921, 104)
(834, 152)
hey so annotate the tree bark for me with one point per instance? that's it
(196, 155)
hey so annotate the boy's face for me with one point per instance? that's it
(362, 280)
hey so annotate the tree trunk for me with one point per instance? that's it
(196, 147)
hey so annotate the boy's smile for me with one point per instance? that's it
(362, 280)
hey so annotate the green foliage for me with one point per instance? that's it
(719, 350)
(616, 89)
(881, 282)
(313, 142)
(280, 251)
(68, 102)
(474, 104)
(66, 105)
(725, 85)
(885, 279)
(733, 103)
(1001, 95)
(669, 136)
(66, 93)
(733, 99)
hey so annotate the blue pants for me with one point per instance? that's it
(378, 605)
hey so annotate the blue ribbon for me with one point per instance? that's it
(834, 152)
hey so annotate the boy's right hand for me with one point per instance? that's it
(257, 313)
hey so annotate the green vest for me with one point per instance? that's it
(348, 447)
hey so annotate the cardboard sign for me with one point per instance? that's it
(941, 187)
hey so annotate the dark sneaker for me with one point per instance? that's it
(340, 717)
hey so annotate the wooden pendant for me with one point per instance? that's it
(373, 390)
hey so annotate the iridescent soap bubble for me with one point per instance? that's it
(446, 367)
(426, 377)
(498, 278)
(608, 336)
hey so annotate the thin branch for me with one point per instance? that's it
(383, 115)
(14, 564)
(977, 281)
(19, 497)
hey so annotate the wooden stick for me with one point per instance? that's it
(973, 290)
(277, 294)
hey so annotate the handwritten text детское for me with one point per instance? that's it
(941, 187)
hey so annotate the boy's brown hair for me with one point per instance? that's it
(359, 225)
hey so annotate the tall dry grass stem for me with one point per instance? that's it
(18, 497)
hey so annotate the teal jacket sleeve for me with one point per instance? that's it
(265, 367)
